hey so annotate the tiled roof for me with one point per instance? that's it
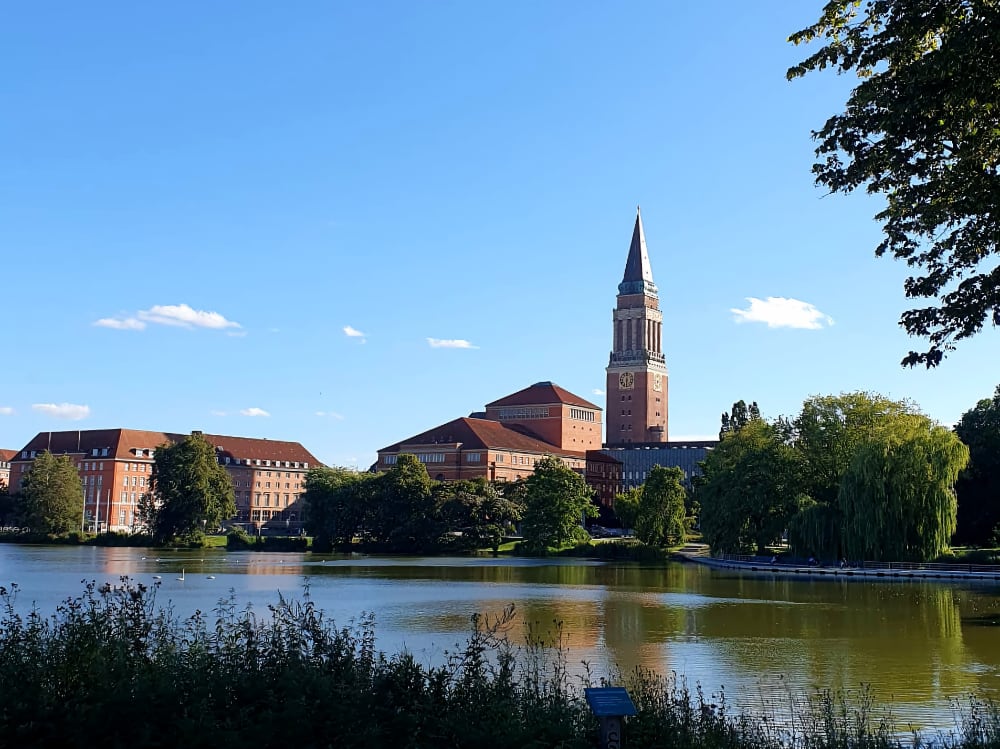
(480, 434)
(122, 443)
(542, 393)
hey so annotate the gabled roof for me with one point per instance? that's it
(541, 394)
(479, 434)
(122, 444)
(6, 455)
(638, 277)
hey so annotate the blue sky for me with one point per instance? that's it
(199, 201)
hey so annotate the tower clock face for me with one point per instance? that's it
(626, 381)
(657, 382)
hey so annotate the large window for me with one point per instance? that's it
(430, 457)
(581, 414)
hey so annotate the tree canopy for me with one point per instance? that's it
(556, 499)
(659, 518)
(51, 497)
(978, 486)
(879, 476)
(749, 489)
(922, 127)
(191, 491)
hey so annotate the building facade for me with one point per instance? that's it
(115, 467)
(637, 370)
(506, 441)
(5, 458)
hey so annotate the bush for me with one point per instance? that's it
(110, 667)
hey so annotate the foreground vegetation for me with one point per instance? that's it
(110, 666)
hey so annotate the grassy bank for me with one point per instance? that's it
(110, 668)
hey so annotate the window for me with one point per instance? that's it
(267, 484)
(581, 414)
(257, 498)
(472, 457)
(124, 497)
(125, 481)
(390, 460)
(267, 499)
(523, 412)
(286, 500)
(431, 457)
(100, 466)
(269, 476)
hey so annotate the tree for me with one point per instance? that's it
(923, 128)
(880, 477)
(978, 486)
(627, 507)
(556, 499)
(51, 496)
(828, 431)
(898, 495)
(477, 509)
(739, 417)
(338, 502)
(405, 515)
(749, 489)
(660, 517)
(191, 490)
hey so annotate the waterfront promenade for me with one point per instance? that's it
(698, 554)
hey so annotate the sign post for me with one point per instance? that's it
(610, 705)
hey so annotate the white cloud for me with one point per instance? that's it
(6, 410)
(449, 343)
(331, 414)
(254, 412)
(354, 333)
(597, 391)
(70, 411)
(184, 316)
(177, 315)
(121, 323)
(779, 312)
(218, 413)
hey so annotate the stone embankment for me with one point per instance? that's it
(699, 554)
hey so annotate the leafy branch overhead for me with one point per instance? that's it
(922, 127)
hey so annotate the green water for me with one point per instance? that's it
(766, 641)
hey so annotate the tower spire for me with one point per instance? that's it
(638, 277)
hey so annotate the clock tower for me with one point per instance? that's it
(637, 371)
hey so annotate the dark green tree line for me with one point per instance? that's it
(978, 486)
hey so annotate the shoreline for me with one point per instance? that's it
(865, 573)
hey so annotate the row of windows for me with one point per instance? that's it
(265, 462)
(582, 414)
(523, 412)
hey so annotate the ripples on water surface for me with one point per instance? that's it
(765, 640)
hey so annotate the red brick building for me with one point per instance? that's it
(506, 441)
(115, 466)
(5, 458)
(637, 369)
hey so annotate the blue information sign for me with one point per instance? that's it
(609, 701)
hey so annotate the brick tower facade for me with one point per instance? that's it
(637, 371)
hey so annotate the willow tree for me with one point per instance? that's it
(659, 519)
(898, 495)
(827, 435)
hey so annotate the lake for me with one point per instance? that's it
(918, 644)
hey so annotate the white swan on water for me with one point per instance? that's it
(181, 578)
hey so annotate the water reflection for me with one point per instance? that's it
(766, 639)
